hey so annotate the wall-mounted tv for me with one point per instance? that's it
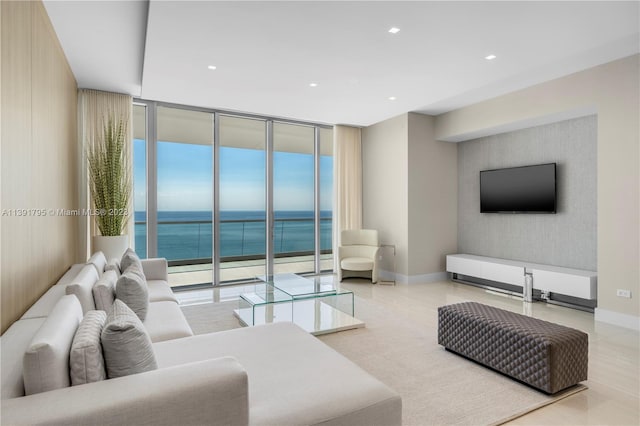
(528, 189)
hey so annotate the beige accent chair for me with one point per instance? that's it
(358, 254)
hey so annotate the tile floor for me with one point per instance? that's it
(613, 397)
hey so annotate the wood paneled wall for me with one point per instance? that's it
(39, 159)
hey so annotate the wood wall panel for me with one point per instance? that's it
(39, 158)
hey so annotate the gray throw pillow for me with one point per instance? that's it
(125, 343)
(132, 289)
(128, 258)
(86, 361)
(104, 291)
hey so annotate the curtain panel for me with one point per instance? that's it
(347, 177)
(94, 107)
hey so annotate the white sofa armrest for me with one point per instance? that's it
(156, 268)
(212, 392)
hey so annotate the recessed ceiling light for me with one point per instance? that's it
(394, 30)
(490, 57)
(212, 67)
(313, 84)
(392, 98)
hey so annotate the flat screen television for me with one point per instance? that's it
(528, 189)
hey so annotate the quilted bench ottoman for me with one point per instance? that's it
(547, 356)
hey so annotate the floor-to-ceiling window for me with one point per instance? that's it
(212, 186)
(293, 198)
(242, 183)
(184, 193)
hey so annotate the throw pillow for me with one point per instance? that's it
(45, 365)
(86, 361)
(132, 289)
(113, 265)
(104, 291)
(128, 258)
(98, 261)
(126, 344)
(82, 286)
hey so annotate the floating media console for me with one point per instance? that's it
(576, 288)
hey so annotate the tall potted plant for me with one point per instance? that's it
(110, 187)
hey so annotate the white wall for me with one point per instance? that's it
(612, 91)
(385, 185)
(410, 193)
(433, 188)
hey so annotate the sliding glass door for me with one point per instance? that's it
(227, 197)
(242, 183)
(293, 198)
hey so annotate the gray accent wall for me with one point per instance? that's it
(567, 238)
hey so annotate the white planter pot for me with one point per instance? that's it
(111, 246)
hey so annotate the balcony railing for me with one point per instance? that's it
(190, 242)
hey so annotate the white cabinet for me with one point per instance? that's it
(565, 281)
(500, 270)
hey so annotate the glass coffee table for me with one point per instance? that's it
(315, 304)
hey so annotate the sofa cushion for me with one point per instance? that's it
(125, 343)
(128, 258)
(43, 306)
(86, 361)
(131, 288)
(357, 264)
(113, 265)
(46, 360)
(160, 291)
(166, 321)
(82, 287)
(104, 291)
(98, 261)
(315, 384)
(13, 344)
(71, 273)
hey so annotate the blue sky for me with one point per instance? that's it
(185, 178)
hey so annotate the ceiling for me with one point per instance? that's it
(267, 53)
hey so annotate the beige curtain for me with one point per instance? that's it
(347, 177)
(93, 108)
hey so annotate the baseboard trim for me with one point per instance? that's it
(420, 279)
(616, 318)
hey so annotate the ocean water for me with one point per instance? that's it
(187, 234)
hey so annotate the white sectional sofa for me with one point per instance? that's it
(275, 374)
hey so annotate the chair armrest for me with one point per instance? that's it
(156, 268)
(372, 252)
(212, 392)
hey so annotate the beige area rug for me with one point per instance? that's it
(437, 387)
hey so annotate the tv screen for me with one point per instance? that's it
(529, 189)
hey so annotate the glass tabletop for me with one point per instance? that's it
(299, 287)
(265, 294)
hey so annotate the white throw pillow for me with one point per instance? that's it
(125, 343)
(82, 286)
(86, 361)
(132, 289)
(104, 291)
(99, 261)
(46, 360)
